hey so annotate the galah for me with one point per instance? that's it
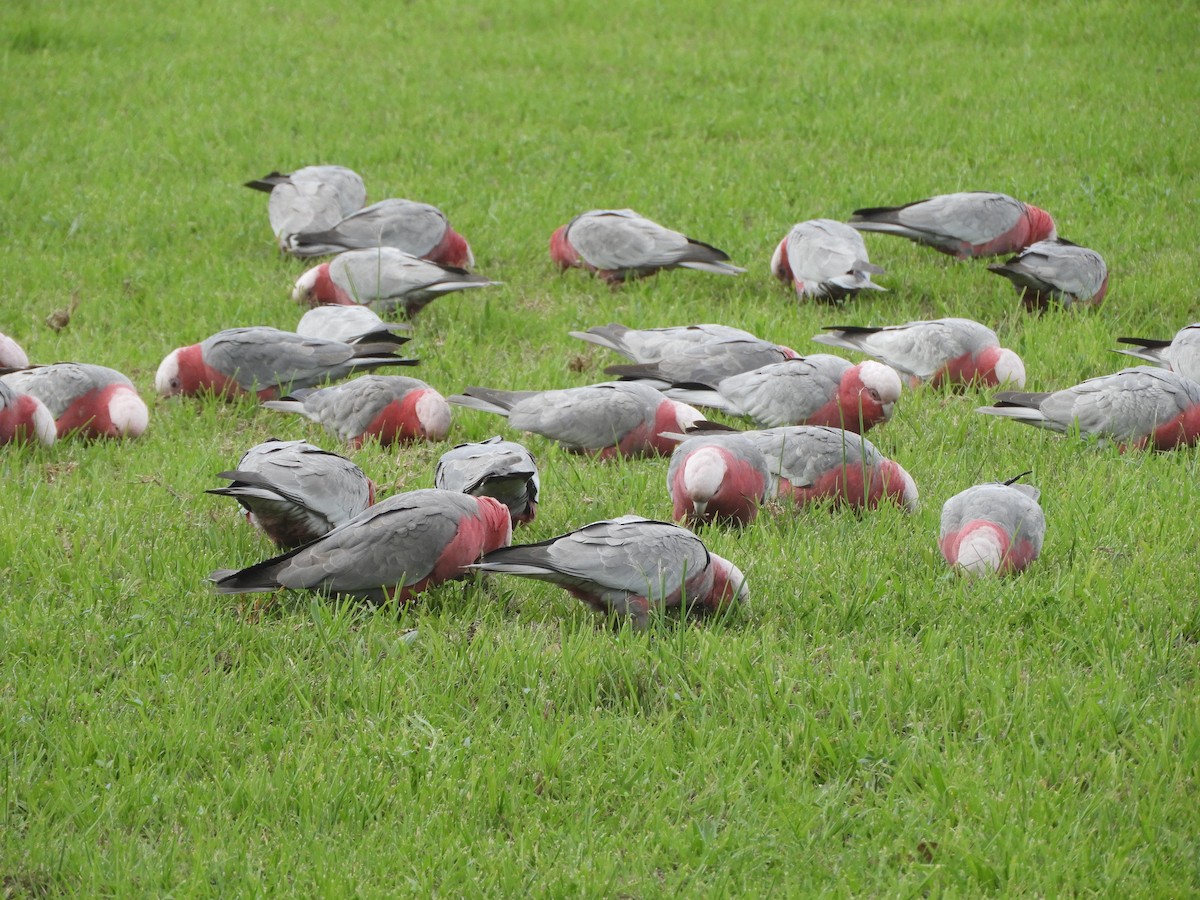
(24, 418)
(395, 409)
(937, 351)
(416, 228)
(967, 224)
(311, 199)
(1056, 272)
(811, 390)
(493, 468)
(294, 492)
(825, 260)
(605, 420)
(384, 279)
(11, 354)
(88, 400)
(1180, 354)
(717, 478)
(627, 565)
(1138, 407)
(992, 528)
(649, 345)
(349, 324)
(619, 244)
(395, 549)
(714, 360)
(266, 361)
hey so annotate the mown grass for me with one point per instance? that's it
(869, 725)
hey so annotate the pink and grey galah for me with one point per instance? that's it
(416, 228)
(811, 390)
(393, 550)
(266, 362)
(936, 351)
(86, 400)
(394, 409)
(717, 478)
(627, 566)
(710, 361)
(647, 345)
(349, 324)
(992, 528)
(311, 199)
(620, 244)
(383, 278)
(24, 419)
(1140, 407)
(967, 224)
(1181, 354)
(294, 492)
(605, 420)
(825, 260)
(493, 468)
(11, 354)
(1056, 273)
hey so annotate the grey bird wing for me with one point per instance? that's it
(622, 239)
(652, 344)
(496, 468)
(823, 251)
(971, 216)
(709, 362)
(1128, 404)
(407, 225)
(347, 409)
(587, 418)
(801, 454)
(344, 323)
(787, 392)
(382, 273)
(1057, 267)
(1014, 508)
(58, 385)
(918, 348)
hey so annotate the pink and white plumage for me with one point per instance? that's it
(937, 351)
(1056, 271)
(717, 478)
(395, 549)
(967, 224)
(825, 260)
(384, 279)
(647, 345)
(84, 399)
(619, 244)
(294, 492)
(394, 409)
(1181, 354)
(11, 354)
(626, 566)
(992, 529)
(493, 468)
(311, 199)
(24, 419)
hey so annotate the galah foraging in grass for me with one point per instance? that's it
(1140, 407)
(967, 224)
(349, 324)
(811, 390)
(266, 362)
(493, 468)
(84, 399)
(384, 279)
(395, 409)
(937, 351)
(626, 566)
(311, 199)
(619, 244)
(605, 420)
(294, 492)
(1056, 272)
(416, 228)
(713, 360)
(825, 260)
(717, 478)
(992, 529)
(1181, 354)
(647, 345)
(395, 549)
(11, 354)
(24, 419)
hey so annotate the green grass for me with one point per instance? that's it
(869, 725)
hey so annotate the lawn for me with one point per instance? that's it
(869, 725)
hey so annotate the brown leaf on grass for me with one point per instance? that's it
(925, 850)
(61, 318)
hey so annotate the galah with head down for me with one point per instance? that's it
(267, 361)
(647, 345)
(605, 420)
(349, 324)
(416, 228)
(717, 478)
(493, 468)
(967, 224)
(620, 244)
(992, 528)
(1140, 407)
(11, 354)
(294, 492)
(24, 419)
(395, 409)
(384, 279)
(811, 390)
(393, 550)
(1056, 272)
(88, 400)
(825, 260)
(311, 199)
(711, 361)
(626, 566)
(937, 351)
(1181, 354)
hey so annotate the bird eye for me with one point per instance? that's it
(874, 395)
